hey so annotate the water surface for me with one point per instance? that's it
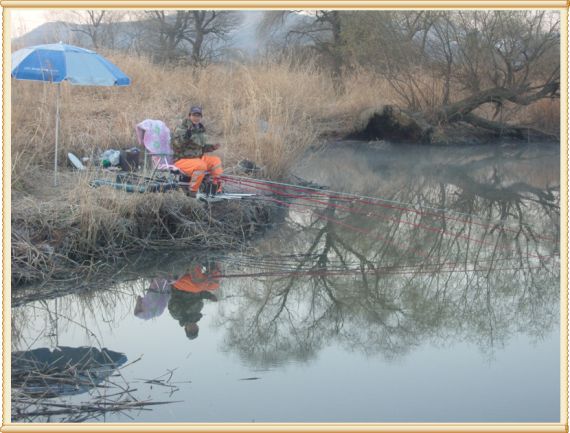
(438, 303)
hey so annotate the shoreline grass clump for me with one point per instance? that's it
(89, 228)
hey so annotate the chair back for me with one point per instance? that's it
(154, 135)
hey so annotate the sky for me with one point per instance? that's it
(23, 21)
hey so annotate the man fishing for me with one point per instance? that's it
(190, 148)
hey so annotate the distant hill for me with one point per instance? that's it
(242, 42)
(46, 33)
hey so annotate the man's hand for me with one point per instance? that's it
(216, 146)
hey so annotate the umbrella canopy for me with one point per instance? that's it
(55, 63)
(60, 62)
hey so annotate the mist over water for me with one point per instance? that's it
(429, 294)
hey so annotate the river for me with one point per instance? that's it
(430, 294)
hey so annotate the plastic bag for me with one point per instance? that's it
(112, 156)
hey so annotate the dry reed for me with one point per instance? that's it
(85, 229)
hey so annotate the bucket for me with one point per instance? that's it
(130, 159)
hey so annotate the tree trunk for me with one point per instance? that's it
(458, 110)
(197, 48)
(504, 130)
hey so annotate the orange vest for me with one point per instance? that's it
(197, 281)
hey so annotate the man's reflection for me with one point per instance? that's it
(188, 294)
(184, 296)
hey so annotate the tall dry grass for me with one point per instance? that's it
(268, 113)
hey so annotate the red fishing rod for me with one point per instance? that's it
(368, 214)
(277, 187)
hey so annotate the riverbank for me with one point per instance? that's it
(72, 231)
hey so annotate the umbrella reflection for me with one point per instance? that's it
(63, 370)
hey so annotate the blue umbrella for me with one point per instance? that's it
(55, 63)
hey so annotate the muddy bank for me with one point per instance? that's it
(396, 125)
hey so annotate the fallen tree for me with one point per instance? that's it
(470, 70)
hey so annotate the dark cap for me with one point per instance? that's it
(191, 330)
(196, 109)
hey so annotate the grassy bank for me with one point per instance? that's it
(84, 230)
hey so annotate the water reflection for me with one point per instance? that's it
(467, 251)
(59, 383)
(184, 296)
(460, 253)
(188, 295)
(154, 301)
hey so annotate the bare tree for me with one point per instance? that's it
(99, 26)
(321, 31)
(209, 26)
(512, 45)
(171, 29)
(192, 33)
(136, 33)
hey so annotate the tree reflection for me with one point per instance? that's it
(462, 255)
(465, 252)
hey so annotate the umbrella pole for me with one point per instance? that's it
(56, 133)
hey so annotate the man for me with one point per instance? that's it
(190, 148)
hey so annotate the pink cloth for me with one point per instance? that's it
(154, 135)
(154, 301)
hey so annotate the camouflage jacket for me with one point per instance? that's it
(186, 307)
(189, 140)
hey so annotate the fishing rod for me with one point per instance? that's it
(356, 199)
(423, 226)
(369, 214)
(381, 272)
(364, 231)
(280, 187)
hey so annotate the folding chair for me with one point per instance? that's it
(154, 135)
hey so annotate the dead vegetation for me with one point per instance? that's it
(87, 230)
(44, 383)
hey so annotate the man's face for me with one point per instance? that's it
(195, 118)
